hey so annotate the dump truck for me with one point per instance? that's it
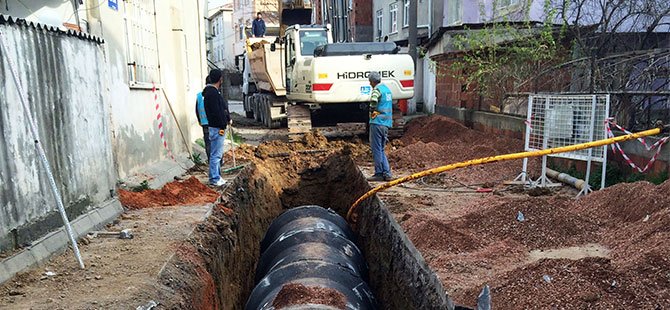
(301, 75)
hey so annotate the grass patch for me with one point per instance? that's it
(238, 139)
(200, 142)
(144, 185)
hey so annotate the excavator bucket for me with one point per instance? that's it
(296, 17)
(294, 12)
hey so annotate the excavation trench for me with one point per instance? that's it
(229, 243)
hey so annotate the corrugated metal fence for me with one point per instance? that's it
(63, 74)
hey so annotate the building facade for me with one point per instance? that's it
(351, 20)
(123, 104)
(221, 38)
(391, 20)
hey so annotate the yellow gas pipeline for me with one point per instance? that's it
(493, 159)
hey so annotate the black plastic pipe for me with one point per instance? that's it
(314, 247)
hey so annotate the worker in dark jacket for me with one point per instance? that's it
(258, 26)
(218, 118)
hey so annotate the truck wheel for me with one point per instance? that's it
(247, 107)
(262, 111)
(255, 104)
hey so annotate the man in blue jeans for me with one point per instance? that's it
(218, 118)
(381, 120)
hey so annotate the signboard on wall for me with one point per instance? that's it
(113, 4)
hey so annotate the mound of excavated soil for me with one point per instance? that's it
(311, 143)
(298, 294)
(188, 192)
(430, 233)
(548, 222)
(487, 245)
(626, 202)
(437, 140)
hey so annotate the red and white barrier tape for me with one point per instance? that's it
(159, 118)
(528, 123)
(658, 146)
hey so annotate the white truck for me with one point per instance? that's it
(304, 76)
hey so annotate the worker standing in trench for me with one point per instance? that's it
(218, 118)
(381, 120)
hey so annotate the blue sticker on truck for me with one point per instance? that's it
(366, 90)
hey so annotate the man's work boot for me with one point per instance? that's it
(388, 178)
(376, 178)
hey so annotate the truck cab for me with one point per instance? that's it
(301, 41)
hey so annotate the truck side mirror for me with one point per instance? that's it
(273, 47)
(292, 61)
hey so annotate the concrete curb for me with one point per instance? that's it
(56, 242)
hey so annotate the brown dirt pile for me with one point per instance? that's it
(312, 143)
(298, 294)
(487, 245)
(548, 222)
(588, 283)
(430, 233)
(438, 140)
(187, 192)
(626, 202)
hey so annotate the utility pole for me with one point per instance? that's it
(413, 31)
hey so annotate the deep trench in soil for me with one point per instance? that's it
(229, 242)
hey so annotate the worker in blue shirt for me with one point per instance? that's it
(381, 120)
(202, 118)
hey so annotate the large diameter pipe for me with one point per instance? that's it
(314, 247)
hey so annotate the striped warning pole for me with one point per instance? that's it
(159, 118)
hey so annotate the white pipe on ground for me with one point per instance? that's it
(566, 178)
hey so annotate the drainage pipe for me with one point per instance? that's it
(566, 178)
(314, 247)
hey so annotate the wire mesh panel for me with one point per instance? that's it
(562, 120)
(555, 121)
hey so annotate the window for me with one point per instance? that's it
(142, 49)
(454, 12)
(393, 10)
(310, 39)
(405, 14)
(380, 23)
